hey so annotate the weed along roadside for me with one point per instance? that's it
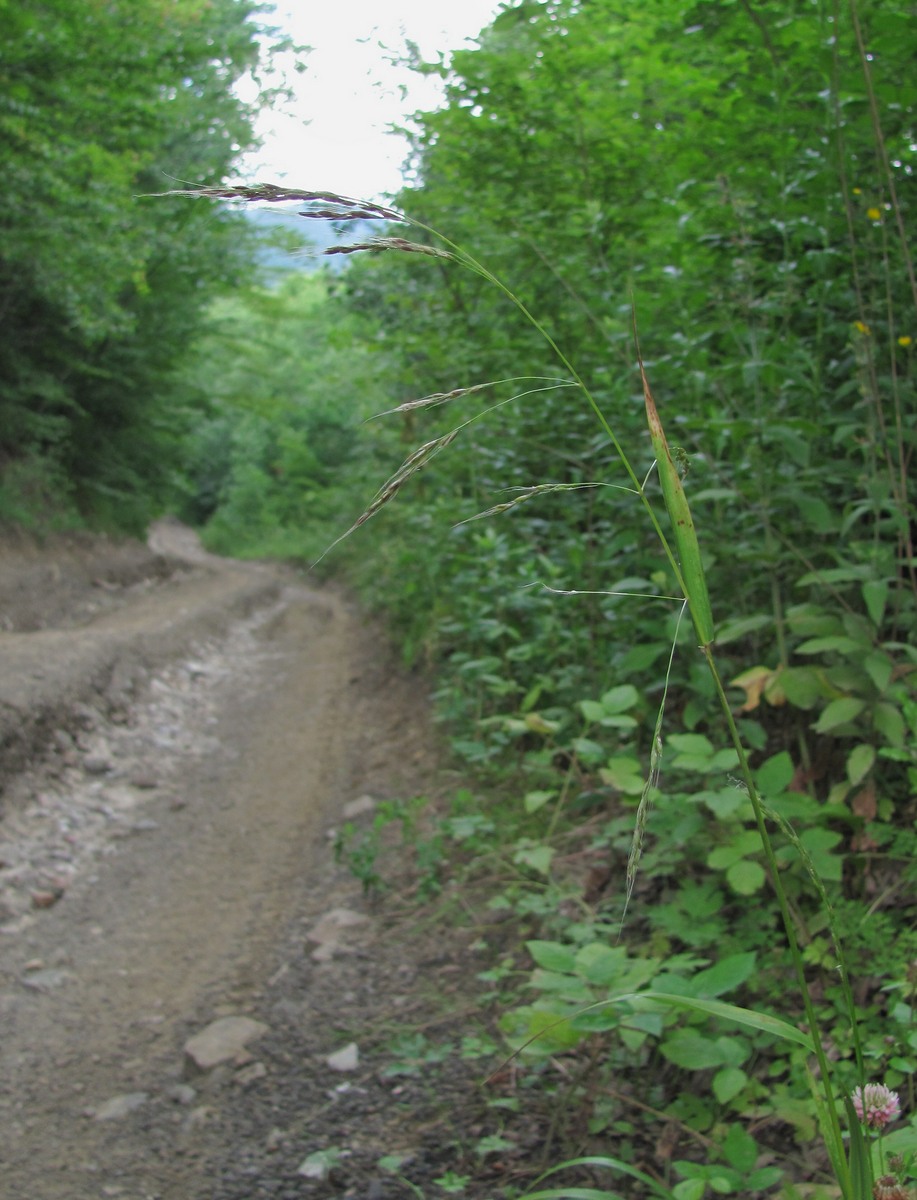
(673, 978)
(589, 983)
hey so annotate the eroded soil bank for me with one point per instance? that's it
(182, 737)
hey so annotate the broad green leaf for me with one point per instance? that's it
(728, 1082)
(724, 760)
(838, 713)
(736, 1049)
(875, 596)
(692, 1051)
(839, 644)
(740, 1149)
(802, 686)
(774, 775)
(588, 750)
(879, 667)
(537, 857)
(761, 1180)
(817, 513)
(732, 630)
(623, 773)
(820, 843)
(592, 710)
(689, 1189)
(849, 574)
(890, 723)
(859, 763)
(619, 699)
(553, 956)
(738, 847)
(901, 1141)
(537, 799)
(746, 877)
(599, 963)
(723, 976)
(726, 802)
(568, 986)
(535, 1031)
(690, 743)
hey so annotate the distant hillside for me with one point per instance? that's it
(290, 242)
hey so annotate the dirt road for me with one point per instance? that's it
(180, 734)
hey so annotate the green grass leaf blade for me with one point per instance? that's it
(676, 503)
(598, 1160)
(859, 1159)
(763, 1022)
(574, 1194)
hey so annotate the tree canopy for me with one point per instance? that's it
(101, 290)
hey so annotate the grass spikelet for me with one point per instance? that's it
(367, 213)
(374, 245)
(411, 465)
(435, 399)
(526, 493)
(345, 208)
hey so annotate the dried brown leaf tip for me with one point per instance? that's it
(377, 244)
(327, 206)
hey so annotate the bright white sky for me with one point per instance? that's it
(332, 136)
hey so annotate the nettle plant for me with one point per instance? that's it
(595, 986)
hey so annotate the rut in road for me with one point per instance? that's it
(187, 917)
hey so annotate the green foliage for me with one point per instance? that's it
(101, 290)
(740, 174)
(277, 462)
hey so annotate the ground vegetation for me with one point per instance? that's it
(732, 185)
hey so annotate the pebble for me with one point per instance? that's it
(346, 1059)
(119, 1106)
(46, 980)
(250, 1074)
(328, 931)
(222, 1041)
(95, 764)
(356, 808)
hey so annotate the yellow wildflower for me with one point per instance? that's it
(858, 191)
(874, 214)
(862, 327)
(904, 341)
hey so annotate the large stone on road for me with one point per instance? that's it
(222, 1041)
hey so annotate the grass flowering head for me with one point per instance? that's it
(876, 1105)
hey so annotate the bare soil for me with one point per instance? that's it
(180, 738)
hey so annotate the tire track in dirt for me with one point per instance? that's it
(177, 919)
